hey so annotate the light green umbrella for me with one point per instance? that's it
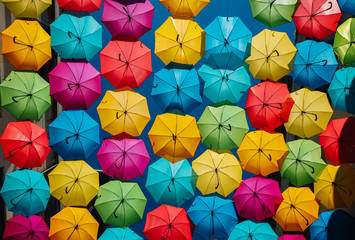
(344, 42)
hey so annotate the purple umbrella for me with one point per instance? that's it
(130, 21)
(75, 85)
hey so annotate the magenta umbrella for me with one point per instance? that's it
(20, 227)
(292, 237)
(131, 21)
(257, 198)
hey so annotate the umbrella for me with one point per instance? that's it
(119, 234)
(180, 41)
(222, 127)
(298, 210)
(317, 18)
(123, 110)
(268, 105)
(347, 6)
(171, 183)
(310, 114)
(174, 137)
(304, 164)
(25, 95)
(75, 223)
(74, 183)
(25, 144)
(214, 217)
(292, 237)
(342, 90)
(344, 39)
(27, 9)
(131, 21)
(74, 135)
(169, 223)
(177, 89)
(25, 192)
(338, 141)
(228, 34)
(253, 230)
(129, 2)
(185, 8)
(257, 198)
(76, 5)
(262, 153)
(272, 55)
(20, 227)
(216, 172)
(76, 37)
(26, 45)
(75, 85)
(120, 204)
(315, 64)
(125, 63)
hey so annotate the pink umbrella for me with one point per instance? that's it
(292, 237)
(123, 157)
(75, 85)
(131, 21)
(257, 198)
(20, 227)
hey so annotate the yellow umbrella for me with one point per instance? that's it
(310, 114)
(298, 210)
(123, 110)
(73, 224)
(262, 152)
(27, 8)
(26, 45)
(335, 187)
(272, 55)
(216, 172)
(185, 8)
(74, 183)
(174, 137)
(180, 41)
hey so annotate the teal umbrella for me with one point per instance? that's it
(119, 234)
(252, 230)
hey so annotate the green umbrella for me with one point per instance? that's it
(120, 204)
(25, 95)
(223, 126)
(344, 42)
(304, 164)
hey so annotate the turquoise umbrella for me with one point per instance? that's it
(119, 234)
(253, 230)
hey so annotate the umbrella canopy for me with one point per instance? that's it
(82, 5)
(20, 227)
(27, 9)
(272, 55)
(119, 234)
(76, 37)
(169, 223)
(177, 89)
(315, 64)
(129, 2)
(120, 204)
(269, 105)
(25, 95)
(262, 153)
(180, 41)
(171, 183)
(344, 39)
(174, 137)
(310, 114)
(25, 144)
(213, 217)
(75, 85)
(347, 6)
(292, 237)
(216, 172)
(26, 45)
(74, 135)
(304, 164)
(257, 198)
(298, 210)
(25, 192)
(123, 110)
(253, 230)
(185, 8)
(126, 64)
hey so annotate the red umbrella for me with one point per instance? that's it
(126, 64)
(25, 144)
(168, 223)
(268, 105)
(80, 5)
(338, 141)
(317, 18)
(20, 227)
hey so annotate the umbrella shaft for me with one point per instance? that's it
(23, 44)
(18, 148)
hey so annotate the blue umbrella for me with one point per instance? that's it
(171, 183)
(74, 135)
(25, 192)
(76, 37)
(315, 64)
(119, 234)
(177, 89)
(347, 6)
(342, 90)
(214, 217)
(253, 230)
